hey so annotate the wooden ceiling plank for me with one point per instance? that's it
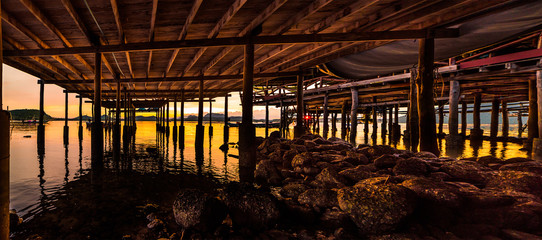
(151, 33)
(184, 31)
(232, 10)
(258, 20)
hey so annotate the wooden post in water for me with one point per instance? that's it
(383, 125)
(166, 117)
(97, 128)
(80, 132)
(4, 157)
(175, 131)
(200, 128)
(453, 138)
(210, 117)
(440, 118)
(343, 120)
(505, 122)
(325, 129)
(66, 127)
(181, 127)
(396, 126)
(41, 126)
(247, 132)
(532, 121)
(116, 129)
(520, 123)
(375, 124)
(494, 128)
(424, 84)
(537, 141)
(464, 119)
(266, 116)
(299, 129)
(226, 120)
(334, 124)
(476, 133)
(354, 115)
(390, 123)
(366, 122)
(414, 131)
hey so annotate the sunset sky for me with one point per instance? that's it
(21, 91)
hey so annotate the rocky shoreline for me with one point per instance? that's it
(312, 188)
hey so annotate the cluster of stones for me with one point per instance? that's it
(312, 188)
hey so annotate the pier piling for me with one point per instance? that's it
(505, 120)
(299, 129)
(97, 128)
(494, 127)
(66, 127)
(453, 138)
(247, 132)
(476, 133)
(354, 115)
(326, 116)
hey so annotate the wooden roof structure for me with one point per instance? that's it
(159, 47)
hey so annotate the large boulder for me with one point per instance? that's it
(412, 166)
(329, 178)
(356, 174)
(293, 189)
(303, 159)
(266, 172)
(196, 209)
(433, 191)
(377, 208)
(386, 161)
(356, 158)
(517, 181)
(467, 171)
(250, 207)
(531, 166)
(319, 198)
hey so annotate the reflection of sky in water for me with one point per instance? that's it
(33, 179)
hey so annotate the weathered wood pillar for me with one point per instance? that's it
(343, 119)
(166, 117)
(266, 116)
(299, 129)
(80, 132)
(414, 133)
(366, 121)
(390, 123)
(97, 128)
(116, 129)
(326, 116)
(476, 133)
(66, 127)
(383, 125)
(354, 115)
(453, 114)
(494, 127)
(334, 124)
(226, 120)
(247, 132)
(4, 157)
(375, 124)
(440, 118)
(175, 129)
(464, 119)
(424, 84)
(181, 127)
(532, 121)
(537, 141)
(520, 123)
(505, 120)
(396, 126)
(200, 128)
(210, 117)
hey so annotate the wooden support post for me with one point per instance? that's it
(414, 133)
(343, 119)
(520, 123)
(476, 133)
(200, 128)
(354, 115)
(366, 122)
(494, 128)
(41, 126)
(210, 117)
(80, 132)
(464, 119)
(266, 116)
(175, 130)
(181, 127)
(383, 125)
(375, 124)
(4, 157)
(97, 128)
(116, 129)
(396, 126)
(424, 84)
(166, 117)
(326, 116)
(247, 132)
(334, 124)
(537, 141)
(505, 120)
(390, 123)
(440, 118)
(299, 129)
(226, 121)
(532, 121)
(66, 127)
(453, 139)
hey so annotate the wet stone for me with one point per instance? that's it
(319, 198)
(194, 208)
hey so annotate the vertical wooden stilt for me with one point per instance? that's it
(464, 119)
(424, 84)
(453, 123)
(167, 117)
(354, 115)
(537, 141)
(505, 120)
(494, 130)
(97, 128)
(326, 116)
(210, 117)
(334, 124)
(366, 122)
(476, 133)
(66, 127)
(226, 121)
(520, 124)
(343, 120)
(4, 156)
(299, 129)
(375, 124)
(175, 129)
(247, 132)
(396, 126)
(440, 118)
(266, 116)
(383, 125)
(390, 123)
(181, 128)
(413, 112)
(80, 132)
(116, 129)
(200, 128)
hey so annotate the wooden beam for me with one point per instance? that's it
(184, 31)
(79, 22)
(234, 8)
(151, 32)
(237, 41)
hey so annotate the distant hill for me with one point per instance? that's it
(28, 114)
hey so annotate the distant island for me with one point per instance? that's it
(28, 114)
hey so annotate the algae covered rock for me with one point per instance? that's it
(319, 198)
(266, 172)
(526, 182)
(376, 208)
(386, 161)
(412, 166)
(433, 191)
(194, 208)
(329, 178)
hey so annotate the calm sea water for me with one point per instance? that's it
(34, 178)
